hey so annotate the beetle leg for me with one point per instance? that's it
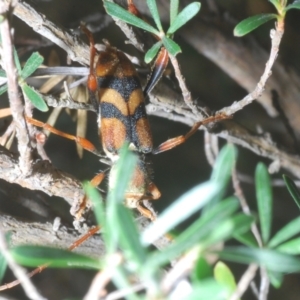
(92, 83)
(145, 211)
(158, 69)
(174, 142)
(86, 144)
(154, 191)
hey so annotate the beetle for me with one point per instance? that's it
(116, 93)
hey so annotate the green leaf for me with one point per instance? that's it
(35, 98)
(224, 164)
(225, 229)
(289, 230)
(2, 73)
(224, 276)
(172, 47)
(270, 259)
(32, 256)
(290, 247)
(119, 178)
(184, 16)
(154, 13)
(174, 4)
(197, 233)
(17, 61)
(3, 266)
(252, 23)
(129, 239)
(179, 211)
(208, 289)
(202, 270)
(276, 3)
(97, 201)
(33, 62)
(264, 200)
(247, 238)
(3, 88)
(292, 188)
(275, 279)
(122, 14)
(242, 223)
(152, 52)
(295, 4)
(121, 174)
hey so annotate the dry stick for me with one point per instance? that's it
(244, 282)
(241, 288)
(244, 205)
(75, 48)
(100, 281)
(16, 104)
(276, 36)
(24, 280)
(264, 284)
(187, 97)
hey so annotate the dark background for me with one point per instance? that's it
(176, 171)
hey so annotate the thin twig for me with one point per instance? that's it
(264, 284)
(27, 285)
(276, 36)
(102, 278)
(16, 104)
(187, 97)
(244, 282)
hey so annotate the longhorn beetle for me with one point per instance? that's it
(116, 94)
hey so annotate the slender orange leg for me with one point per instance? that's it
(174, 142)
(95, 182)
(86, 144)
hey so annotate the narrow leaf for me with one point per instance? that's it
(122, 14)
(2, 73)
(276, 278)
(197, 233)
(224, 276)
(179, 211)
(172, 47)
(184, 16)
(247, 238)
(119, 178)
(295, 4)
(152, 52)
(202, 270)
(98, 207)
(3, 266)
(252, 23)
(35, 98)
(208, 289)
(264, 200)
(174, 5)
(33, 62)
(129, 239)
(292, 188)
(288, 231)
(17, 61)
(154, 13)
(270, 259)
(290, 247)
(33, 256)
(276, 3)
(3, 88)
